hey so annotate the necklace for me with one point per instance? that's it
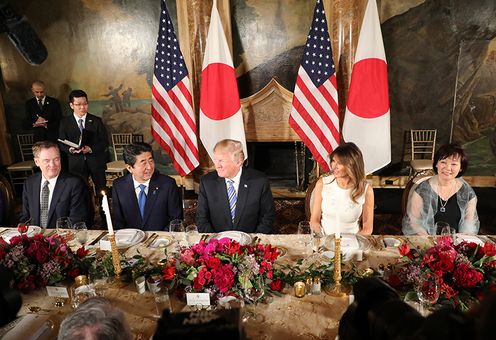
(443, 206)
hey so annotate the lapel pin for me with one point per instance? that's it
(246, 186)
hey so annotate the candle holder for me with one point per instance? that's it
(337, 289)
(116, 259)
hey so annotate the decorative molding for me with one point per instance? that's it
(266, 115)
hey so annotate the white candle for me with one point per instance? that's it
(106, 210)
(337, 234)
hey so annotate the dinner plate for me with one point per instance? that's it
(468, 238)
(161, 242)
(350, 241)
(238, 236)
(125, 238)
(391, 242)
(32, 230)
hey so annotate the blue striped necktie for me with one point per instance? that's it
(142, 199)
(231, 193)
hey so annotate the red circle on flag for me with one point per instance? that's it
(368, 94)
(219, 92)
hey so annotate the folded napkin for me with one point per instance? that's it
(31, 326)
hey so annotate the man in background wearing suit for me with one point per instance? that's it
(51, 194)
(91, 158)
(233, 197)
(144, 198)
(43, 114)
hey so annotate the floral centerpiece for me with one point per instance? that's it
(40, 260)
(464, 270)
(223, 268)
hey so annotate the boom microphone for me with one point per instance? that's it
(22, 35)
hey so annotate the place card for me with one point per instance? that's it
(55, 291)
(195, 299)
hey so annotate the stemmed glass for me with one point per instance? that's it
(305, 231)
(63, 226)
(192, 235)
(177, 226)
(99, 277)
(81, 233)
(253, 295)
(428, 291)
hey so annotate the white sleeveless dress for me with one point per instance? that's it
(339, 212)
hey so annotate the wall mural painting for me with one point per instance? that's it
(104, 47)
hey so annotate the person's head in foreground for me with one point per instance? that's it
(95, 319)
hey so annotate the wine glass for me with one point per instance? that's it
(440, 225)
(304, 231)
(81, 233)
(176, 226)
(63, 226)
(252, 295)
(192, 235)
(99, 277)
(449, 231)
(428, 290)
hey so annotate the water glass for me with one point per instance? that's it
(192, 235)
(305, 231)
(63, 227)
(317, 238)
(81, 233)
(440, 225)
(176, 226)
(428, 290)
(449, 231)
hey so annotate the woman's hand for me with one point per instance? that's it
(316, 228)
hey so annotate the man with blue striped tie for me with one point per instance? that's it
(144, 199)
(234, 197)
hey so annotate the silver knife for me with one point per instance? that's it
(102, 234)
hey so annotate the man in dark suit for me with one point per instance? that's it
(43, 114)
(233, 197)
(91, 158)
(143, 198)
(51, 194)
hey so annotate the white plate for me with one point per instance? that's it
(161, 242)
(125, 238)
(32, 230)
(391, 242)
(347, 253)
(468, 238)
(238, 236)
(349, 242)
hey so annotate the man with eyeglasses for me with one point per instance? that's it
(87, 132)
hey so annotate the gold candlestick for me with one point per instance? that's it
(116, 259)
(337, 289)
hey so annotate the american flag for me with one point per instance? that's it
(315, 114)
(173, 119)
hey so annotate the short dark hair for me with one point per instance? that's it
(135, 149)
(77, 94)
(451, 150)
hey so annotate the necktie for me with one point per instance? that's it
(142, 199)
(81, 127)
(45, 192)
(231, 193)
(40, 103)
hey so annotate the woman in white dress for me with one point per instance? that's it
(343, 200)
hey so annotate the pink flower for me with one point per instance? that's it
(224, 278)
(187, 256)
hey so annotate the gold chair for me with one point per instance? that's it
(117, 167)
(423, 146)
(18, 172)
(309, 200)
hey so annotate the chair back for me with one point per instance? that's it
(25, 142)
(309, 200)
(411, 184)
(423, 144)
(138, 138)
(119, 140)
(7, 198)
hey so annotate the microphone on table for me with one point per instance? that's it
(22, 34)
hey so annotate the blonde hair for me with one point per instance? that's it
(234, 147)
(351, 157)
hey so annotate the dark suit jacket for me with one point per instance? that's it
(69, 199)
(51, 111)
(163, 203)
(96, 139)
(255, 210)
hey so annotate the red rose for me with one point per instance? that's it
(22, 228)
(213, 262)
(276, 285)
(440, 258)
(393, 280)
(404, 249)
(73, 273)
(466, 276)
(224, 278)
(82, 252)
(232, 248)
(169, 272)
